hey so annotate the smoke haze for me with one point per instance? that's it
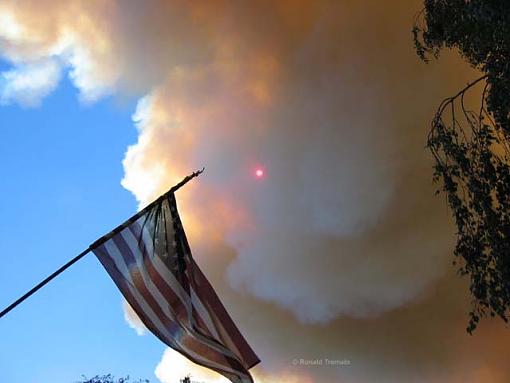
(341, 250)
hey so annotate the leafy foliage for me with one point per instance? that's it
(480, 31)
(471, 149)
(110, 379)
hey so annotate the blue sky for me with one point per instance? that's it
(61, 169)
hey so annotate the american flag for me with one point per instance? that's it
(149, 259)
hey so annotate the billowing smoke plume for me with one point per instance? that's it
(340, 251)
(332, 229)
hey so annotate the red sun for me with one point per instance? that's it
(259, 172)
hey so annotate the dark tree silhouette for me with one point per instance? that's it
(110, 379)
(471, 148)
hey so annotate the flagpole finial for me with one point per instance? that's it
(184, 181)
(198, 172)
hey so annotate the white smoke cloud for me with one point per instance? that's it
(143, 177)
(28, 84)
(76, 36)
(132, 319)
(173, 367)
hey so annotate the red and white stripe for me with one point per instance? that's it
(180, 307)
